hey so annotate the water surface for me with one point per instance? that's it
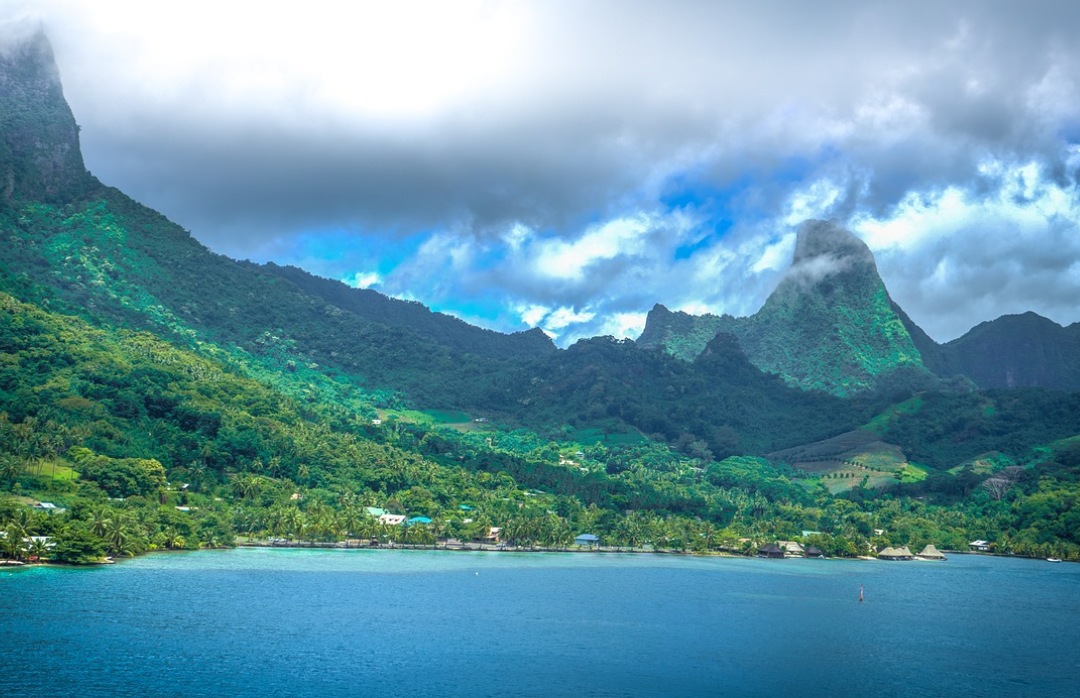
(262, 622)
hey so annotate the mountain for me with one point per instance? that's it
(830, 324)
(279, 404)
(1016, 351)
(78, 246)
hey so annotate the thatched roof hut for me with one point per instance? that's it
(931, 553)
(791, 548)
(771, 550)
(901, 553)
(812, 551)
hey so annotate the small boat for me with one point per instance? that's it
(1053, 559)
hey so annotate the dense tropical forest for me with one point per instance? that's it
(154, 396)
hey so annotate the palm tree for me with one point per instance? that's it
(173, 539)
(38, 549)
(13, 540)
(196, 472)
(349, 520)
(100, 520)
(708, 533)
(10, 468)
(120, 536)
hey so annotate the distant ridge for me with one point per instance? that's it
(445, 329)
(1017, 351)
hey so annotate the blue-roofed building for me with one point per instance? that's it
(587, 539)
(419, 520)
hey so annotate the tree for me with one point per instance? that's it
(38, 549)
(76, 545)
(11, 467)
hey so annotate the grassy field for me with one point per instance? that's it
(856, 458)
(985, 464)
(51, 470)
(454, 419)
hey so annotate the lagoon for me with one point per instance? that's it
(264, 622)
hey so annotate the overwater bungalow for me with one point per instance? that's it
(891, 553)
(791, 548)
(772, 550)
(931, 553)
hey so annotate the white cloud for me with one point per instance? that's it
(816, 200)
(777, 255)
(569, 260)
(560, 318)
(532, 315)
(363, 279)
(956, 257)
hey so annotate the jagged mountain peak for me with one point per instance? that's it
(817, 239)
(827, 253)
(40, 158)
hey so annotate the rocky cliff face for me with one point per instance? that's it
(40, 157)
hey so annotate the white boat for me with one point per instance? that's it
(1053, 559)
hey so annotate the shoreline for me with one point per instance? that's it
(472, 547)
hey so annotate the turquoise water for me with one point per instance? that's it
(254, 622)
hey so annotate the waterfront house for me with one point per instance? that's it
(812, 551)
(980, 546)
(587, 539)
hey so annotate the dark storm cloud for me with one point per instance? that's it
(468, 122)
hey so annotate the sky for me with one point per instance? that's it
(568, 164)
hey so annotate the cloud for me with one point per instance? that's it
(1010, 245)
(490, 157)
(363, 279)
